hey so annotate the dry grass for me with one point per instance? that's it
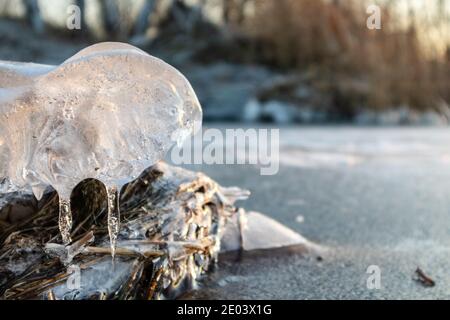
(378, 69)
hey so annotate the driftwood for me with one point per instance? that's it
(171, 225)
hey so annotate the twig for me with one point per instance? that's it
(422, 278)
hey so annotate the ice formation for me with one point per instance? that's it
(108, 112)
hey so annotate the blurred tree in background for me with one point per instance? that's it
(325, 44)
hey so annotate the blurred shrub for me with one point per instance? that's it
(359, 67)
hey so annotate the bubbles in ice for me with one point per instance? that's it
(112, 195)
(108, 112)
(65, 219)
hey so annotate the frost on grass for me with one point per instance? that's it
(108, 112)
(172, 223)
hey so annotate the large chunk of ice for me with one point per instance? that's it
(108, 112)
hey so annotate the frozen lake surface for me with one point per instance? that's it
(374, 196)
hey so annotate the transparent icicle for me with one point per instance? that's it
(65, 219)
(38, 191)
(113, 217)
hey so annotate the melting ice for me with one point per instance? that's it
(108, 112)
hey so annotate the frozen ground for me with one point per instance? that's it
(374, 196)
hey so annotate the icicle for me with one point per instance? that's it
(65, 219)
(38, 191)
(113, 216)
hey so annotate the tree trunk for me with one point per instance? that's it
(33, 15)
(143, 20)
(110, 17)
(82, 5)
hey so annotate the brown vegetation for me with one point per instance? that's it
(325, 43)
(380, 68)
